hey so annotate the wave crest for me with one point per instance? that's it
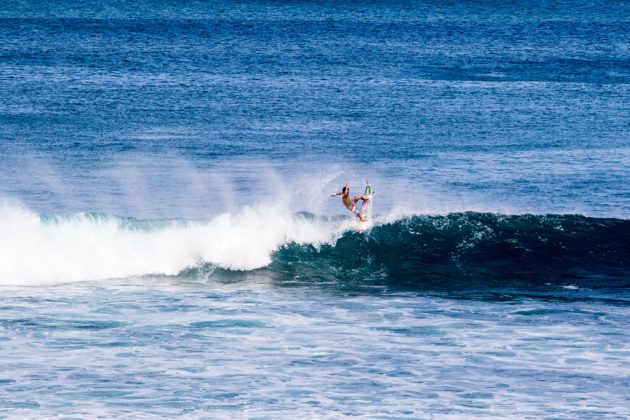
(416, 251)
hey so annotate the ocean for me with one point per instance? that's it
(169, 246)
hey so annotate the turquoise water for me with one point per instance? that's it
(169, 246)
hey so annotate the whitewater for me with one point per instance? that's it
(56, 249)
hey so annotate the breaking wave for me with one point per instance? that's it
(417, 251)
(39, 249)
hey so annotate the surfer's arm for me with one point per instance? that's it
(340, 192)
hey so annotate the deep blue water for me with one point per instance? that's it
(169, 246)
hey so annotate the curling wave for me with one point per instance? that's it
(417, 252)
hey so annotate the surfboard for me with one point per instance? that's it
(366, 207)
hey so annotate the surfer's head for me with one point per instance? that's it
(344, 190)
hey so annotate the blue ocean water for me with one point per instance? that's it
(169, 246)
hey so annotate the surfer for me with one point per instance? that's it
(351, 203)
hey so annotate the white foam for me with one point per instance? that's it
(80, 247)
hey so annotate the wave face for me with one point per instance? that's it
(464, 250)
(460, 250)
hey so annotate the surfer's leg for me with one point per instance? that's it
(354, 210)
(357, 198)
(358, 213)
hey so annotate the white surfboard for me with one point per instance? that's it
(366, 207)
